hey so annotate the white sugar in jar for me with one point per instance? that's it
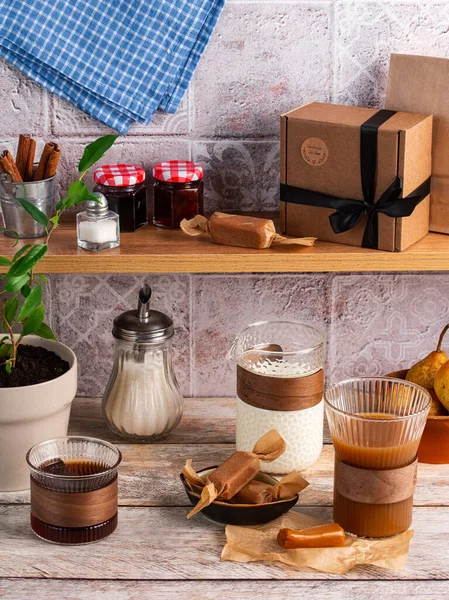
(280, 384)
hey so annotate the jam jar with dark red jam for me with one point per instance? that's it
(178, 192)
(125, 190)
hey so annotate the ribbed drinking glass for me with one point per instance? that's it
(73, 489)
(376, 424)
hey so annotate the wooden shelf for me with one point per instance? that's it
(154, 250)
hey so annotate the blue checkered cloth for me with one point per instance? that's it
(117, 60)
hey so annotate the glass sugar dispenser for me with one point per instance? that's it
(142, 401)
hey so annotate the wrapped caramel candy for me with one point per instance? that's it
(321, 536)
(240, 230)
(238, 470)
(259, 492)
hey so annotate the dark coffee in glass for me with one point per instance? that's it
(73, 489)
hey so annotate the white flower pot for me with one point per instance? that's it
(32, 414)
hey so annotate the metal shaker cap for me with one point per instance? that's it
(97, 209)
(143, 325)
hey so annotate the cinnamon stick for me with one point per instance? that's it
(8, 166)
(30, 161)
(23, 151)
(42, 166)
(53, 161)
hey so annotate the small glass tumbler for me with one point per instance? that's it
(73, 489)
(376, 424)
(280, 382)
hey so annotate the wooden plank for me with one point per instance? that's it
(160, 544)
(52, 589)
(205, 421)
(155, 250)
(149, 476)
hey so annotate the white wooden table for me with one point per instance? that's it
(156, 553)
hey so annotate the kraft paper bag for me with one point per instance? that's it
(420, 84)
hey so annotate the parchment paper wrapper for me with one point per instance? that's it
(238, 470)
(239, 230)
(258, 543)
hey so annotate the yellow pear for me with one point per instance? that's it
(442, 385)
(423, 372)
(436, 407)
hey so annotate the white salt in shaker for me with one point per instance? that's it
(280, 385)
(142, 401)
(98, 227)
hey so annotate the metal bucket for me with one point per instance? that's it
(15, 217)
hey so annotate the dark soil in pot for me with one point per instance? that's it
(34, 365)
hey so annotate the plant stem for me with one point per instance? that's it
(11, 336)
(440, 340)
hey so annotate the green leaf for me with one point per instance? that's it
(10, 309)
(28, 261)
(5, 350)
(25, 291)
(44, 331)
(8, 367)
(77, 193)
(94, 198)
(14, 284)
(4, 262)
(94, 151)
(85, 199)
(60, 205)
(15, 234)
(19, 253)
(42, 278)
(31, 303)
(55, 220)
(34, 321)
(32, 210)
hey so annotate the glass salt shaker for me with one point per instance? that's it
(142, 401)
(97, 227)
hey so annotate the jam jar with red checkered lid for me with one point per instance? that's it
(125, 190)
(178, 192)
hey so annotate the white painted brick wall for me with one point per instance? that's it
(265, 57)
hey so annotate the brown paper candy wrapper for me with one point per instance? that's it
(259, 543)
(238, 470)
(239, 230)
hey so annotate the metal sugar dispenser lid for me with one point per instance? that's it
(143, 325)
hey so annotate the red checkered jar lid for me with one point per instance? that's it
(119, 175)
(178, 171)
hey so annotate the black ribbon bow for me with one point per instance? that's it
(349, 212)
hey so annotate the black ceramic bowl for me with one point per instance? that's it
(241, 514)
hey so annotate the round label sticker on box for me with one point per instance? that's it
(314, 151)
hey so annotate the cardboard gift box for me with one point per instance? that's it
(357, 176)
(421, 84)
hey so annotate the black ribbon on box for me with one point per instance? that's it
(349, 212)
